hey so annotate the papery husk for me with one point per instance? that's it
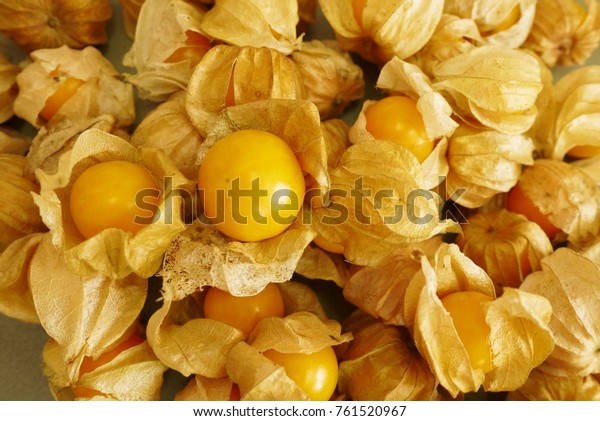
(19, 215)
(300, 297)
(571, 282)
(317, 263)
(16, 300)
(35, 24)
(332, 80)
(379, 290)
(490, 14)
(578, 111)
(542, 386)
(133, 375)
(302, 332)
(102, 93)
(131, 12)
(568, 197)
(161, 30)
(112, 252)
(335, 133)
(258, 23)
(201, 388)
(188, 343)
(519, 338)
(50, 143)
(399, 28)
(13, 142)
(564, 33)
(8, 87)
(78, 312)
(256, 74)
(505, 244)
(542, 130)
(374, 229)
(484, 163)
(381, 363)
(492, 86)
(202, 256)
(167, 127)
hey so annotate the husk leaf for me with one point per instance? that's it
(131, 13)
(8, 87)
(571, 283)
(299, 297)
(112, 252)
(316, 263)
(382, 364)
(205, 389)
(541, 386)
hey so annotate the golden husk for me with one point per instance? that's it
(16, 300)
(112, 252)
(161, 30)
(331, 79)
(13, 142)
(505, 244)
(8, 87)
(167, 127)
(568, 197)
(542, 386)
(381, 363)
(35, 24)
(483, 163)
(131, 13)
(564, 33)
(300, 297)
(491, 86)
(571, 283)
(397, 28)
(260, 23)
(201, 388)
(542, 130)
(255, 74)
(317, 263)
(19, 216)
(102, 93)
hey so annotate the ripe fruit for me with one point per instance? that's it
(517, 201)
(64, 92)
(196, 45)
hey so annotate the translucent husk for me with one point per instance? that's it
(37, 24)
(167, 127)
(571, 283)
(491, 16)
(8, 87)
(484, 163)
(542, 386)
(260, 23)
(13, 142)
(102, 93)
(332, 80)
(317, 263)
(133, 375)
(578, 111)
(112, 252)
(491, 86)
(16, 300)
(519, 339)
(161, 30)
(542, 130)
(379, 290)
(131, 13)
(19, 216)
(381, 363)
(250, 73)
(301, 332)
(399, 28)
(568, 197)
(564, 33)
(201, 388)
(505, 244)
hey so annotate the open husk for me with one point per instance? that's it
(163, 29)
(16, 300)
(243, 74)
(398, 28)
(571, 283)
(167, 127)
(19, 216)
(483, 163)
(8, 87)
(519, 339)
(317, 263)
(112, 252)
(37, 24)
(495, 19)
(505, 244)
(541, 386)
(381, 363)
(491, 86)
(13, 142)
(564, 33)
(332, 80)
(103, 91)
(260, 23)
